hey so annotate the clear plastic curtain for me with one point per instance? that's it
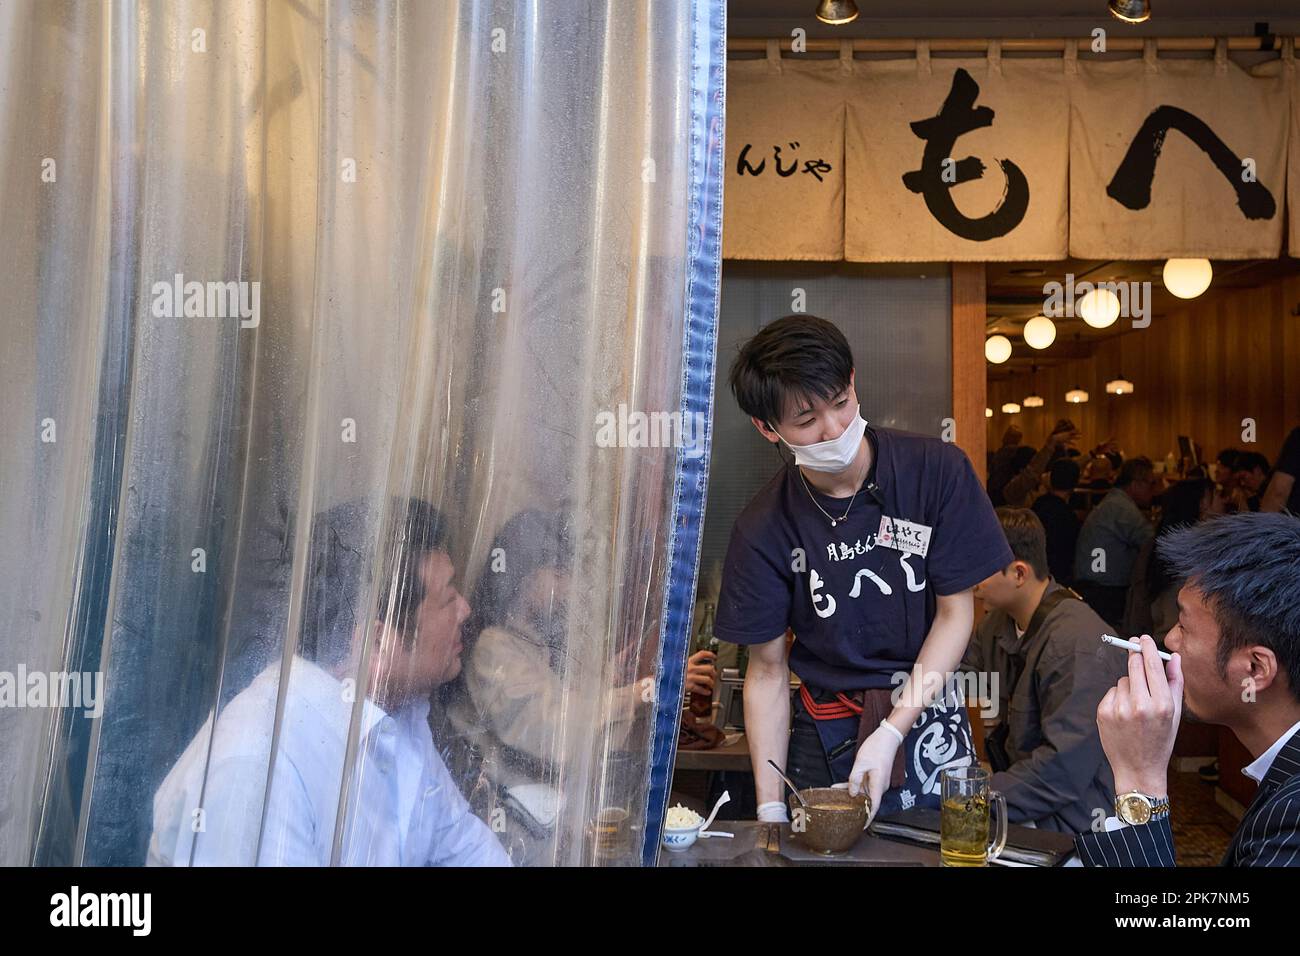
(329, 532)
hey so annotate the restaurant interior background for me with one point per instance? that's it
(919, 329)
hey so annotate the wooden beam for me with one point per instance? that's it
(980, 44)
(968, 379)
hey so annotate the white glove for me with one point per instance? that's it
(875, 762)
(773, 812)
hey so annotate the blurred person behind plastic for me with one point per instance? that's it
(506, 723)
(264, 786)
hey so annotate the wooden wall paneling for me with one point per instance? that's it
(1290, 354)
(969, 380)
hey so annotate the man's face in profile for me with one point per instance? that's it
(998, 590)
(1196, 639)
(428, 653)
(437, 645)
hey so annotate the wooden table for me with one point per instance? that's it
(728, 757)
(755, 844)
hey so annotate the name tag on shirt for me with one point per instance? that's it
(905, 536)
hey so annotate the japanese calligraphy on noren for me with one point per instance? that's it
(1131, 184)
(816, 167)
(959, 115)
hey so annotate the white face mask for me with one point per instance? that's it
(836, 454)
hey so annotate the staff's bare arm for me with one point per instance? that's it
(767, 714)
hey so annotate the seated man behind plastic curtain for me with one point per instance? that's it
(1044, 645)
(402, 807)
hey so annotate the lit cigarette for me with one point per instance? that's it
(1130, 645)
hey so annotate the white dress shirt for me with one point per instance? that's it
(1258, 768)
(1255, 770)
(403, 808)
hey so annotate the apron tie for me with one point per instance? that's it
(874, 707)
(841, 707)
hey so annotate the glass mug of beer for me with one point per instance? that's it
(966, 837)
(613, 832)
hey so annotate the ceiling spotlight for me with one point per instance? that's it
(997, 349)
(836, 12)
(1119, 386)
(1076, 396)
(988, 412)
(1039, 332)
(1099, 308)
(1011, 408)
(1187, 278)
(1130, 11)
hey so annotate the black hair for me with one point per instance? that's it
(1180, 506)
(1064, 474)
(1228, 458)
(1135, 469)
(530, 540)
(1244, 566)
(1028, 540)
(1249, 461)
(795, 358)
(1021, 459)
(339, 572)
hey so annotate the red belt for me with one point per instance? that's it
(836, 709)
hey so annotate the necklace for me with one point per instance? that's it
(833, 520)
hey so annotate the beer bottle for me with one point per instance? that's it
(702, 703)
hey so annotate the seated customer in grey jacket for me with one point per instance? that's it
(1042, 645)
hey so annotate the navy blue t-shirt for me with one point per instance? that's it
(860, 610)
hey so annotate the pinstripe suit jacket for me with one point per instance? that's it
(1269, 834)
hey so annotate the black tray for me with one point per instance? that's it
(1024, 844)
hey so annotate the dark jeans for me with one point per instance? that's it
(805, 761)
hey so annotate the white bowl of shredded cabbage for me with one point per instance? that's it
(681, 827)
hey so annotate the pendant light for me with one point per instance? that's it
(1076, 395)
(1187, 278)
(1099, 308)
(1119, 386)
(1033, 399)
(1039, 332)
(997, 349)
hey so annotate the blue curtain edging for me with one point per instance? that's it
(690, 484)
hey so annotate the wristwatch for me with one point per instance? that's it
(1136, 808)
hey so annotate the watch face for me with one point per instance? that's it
(1135, 810)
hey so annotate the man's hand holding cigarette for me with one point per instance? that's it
(1138, 721)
